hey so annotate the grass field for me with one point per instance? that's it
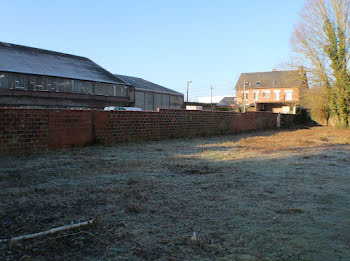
(270, 195)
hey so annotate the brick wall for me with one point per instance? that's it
(39, 130)
(114, 127)
(69, 128)
(23, 130)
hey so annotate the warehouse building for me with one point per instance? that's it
(40, 78)
(150, 96)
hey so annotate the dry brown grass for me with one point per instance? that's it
(271, 195)
(275, 143)
(300, 138)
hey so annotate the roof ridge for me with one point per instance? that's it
(129, 80)
(128, 76)
(272, 71)
(11, 45)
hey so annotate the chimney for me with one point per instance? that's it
(301, 69)
(274, 70)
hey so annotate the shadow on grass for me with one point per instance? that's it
(150, 198)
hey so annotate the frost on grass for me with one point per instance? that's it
(272, 195)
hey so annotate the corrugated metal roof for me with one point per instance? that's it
(273, 79)
(141, 84)
(23, 59)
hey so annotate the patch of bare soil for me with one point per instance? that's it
(271, 195)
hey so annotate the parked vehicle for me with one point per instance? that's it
(132, 109)
(116, 108)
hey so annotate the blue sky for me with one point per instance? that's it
(165, 41)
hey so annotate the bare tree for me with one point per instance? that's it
(322, 40)
(315, 99)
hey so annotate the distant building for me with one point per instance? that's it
(41, 78)
(150, 96)
(214, 99)
(227, 103)
(194, 108)
(275, 91)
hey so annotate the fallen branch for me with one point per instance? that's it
(47, 232)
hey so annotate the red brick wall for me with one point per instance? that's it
(38, 130)
(69, 128)
(114, 127)
(23, 130)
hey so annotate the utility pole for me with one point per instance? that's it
(211, 97)
(188, 86)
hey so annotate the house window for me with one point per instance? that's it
(274, 82)
(256, 95)
(288, 95)
(258, 83)
(246, 84)
(276, 95)
(245, 95)
(266, 94)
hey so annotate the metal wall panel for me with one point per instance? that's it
(132, 95)
(176, 102)
(165, 101)
(56, 84)
(157, 101)
(4, 80)
(149, 101)
(140, 100)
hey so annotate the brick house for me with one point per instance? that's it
(275, 91)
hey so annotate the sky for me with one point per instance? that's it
(169, 42)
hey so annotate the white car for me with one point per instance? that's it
(116, 108)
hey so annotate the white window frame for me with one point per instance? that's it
(256, 95)
(32, 85)
(266, 94)
(276, 94)
(245, 95)
(55, 86)
(286, 93)
(18, 85)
